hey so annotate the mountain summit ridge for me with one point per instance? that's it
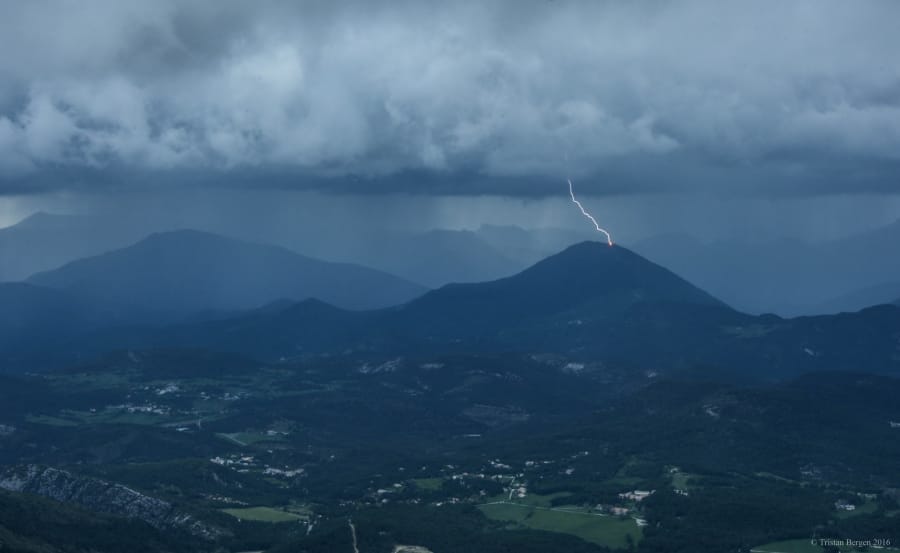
(187, 271)
(582, 272)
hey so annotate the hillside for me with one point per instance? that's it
(553, 301)
(45, 241)
(31, 524)
(589, 278)
(34, 317)
(175, 274)
(590, 300)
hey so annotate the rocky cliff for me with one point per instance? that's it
(102, 497)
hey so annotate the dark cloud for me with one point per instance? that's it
(451, 98)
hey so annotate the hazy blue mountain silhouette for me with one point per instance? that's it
(589, 301)
(879, 294)
(786, 276)
(44, 241)
(178, 273)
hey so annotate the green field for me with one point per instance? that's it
(531, 500)
(68, 417)
(601, 530)
(538, 500)
(263, 514)
(51, 421)
(431, 484)
(681, 480)
(249, 438)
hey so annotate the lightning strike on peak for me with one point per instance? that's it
(588, 215)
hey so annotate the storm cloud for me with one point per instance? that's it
(452, 98)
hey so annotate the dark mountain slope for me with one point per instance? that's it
(32, 524)
(590, 301)
(177, 273)
(590, 278)
(33, 318)
(813, 428)
(542, 307)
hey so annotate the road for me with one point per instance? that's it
(353, 535)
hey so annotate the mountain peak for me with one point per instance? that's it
(591, 247)
(42, 219)
(593, 268)
(590, 277)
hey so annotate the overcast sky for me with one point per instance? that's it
(753, 100)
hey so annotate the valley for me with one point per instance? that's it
(546, 276)
(593, 402)
(508, 444)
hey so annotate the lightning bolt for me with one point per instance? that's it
(588, 215)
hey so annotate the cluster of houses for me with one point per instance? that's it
(636, 495)
(284, 473)
(244, 463)
(169, 388)
(844, 505)
(150, 408)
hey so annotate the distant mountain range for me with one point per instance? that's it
(181, 273)
(591, 301)
(789, 277)
(870, 295)
(45, 241)
(439, 256)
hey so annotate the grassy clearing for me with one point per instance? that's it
(263, 514)
(430, 484)
(537, 500)
(51, 421)
(249, 438)
(122, 417)
(681, 480)
(68, 417)
(300, 509)
(602, 530)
